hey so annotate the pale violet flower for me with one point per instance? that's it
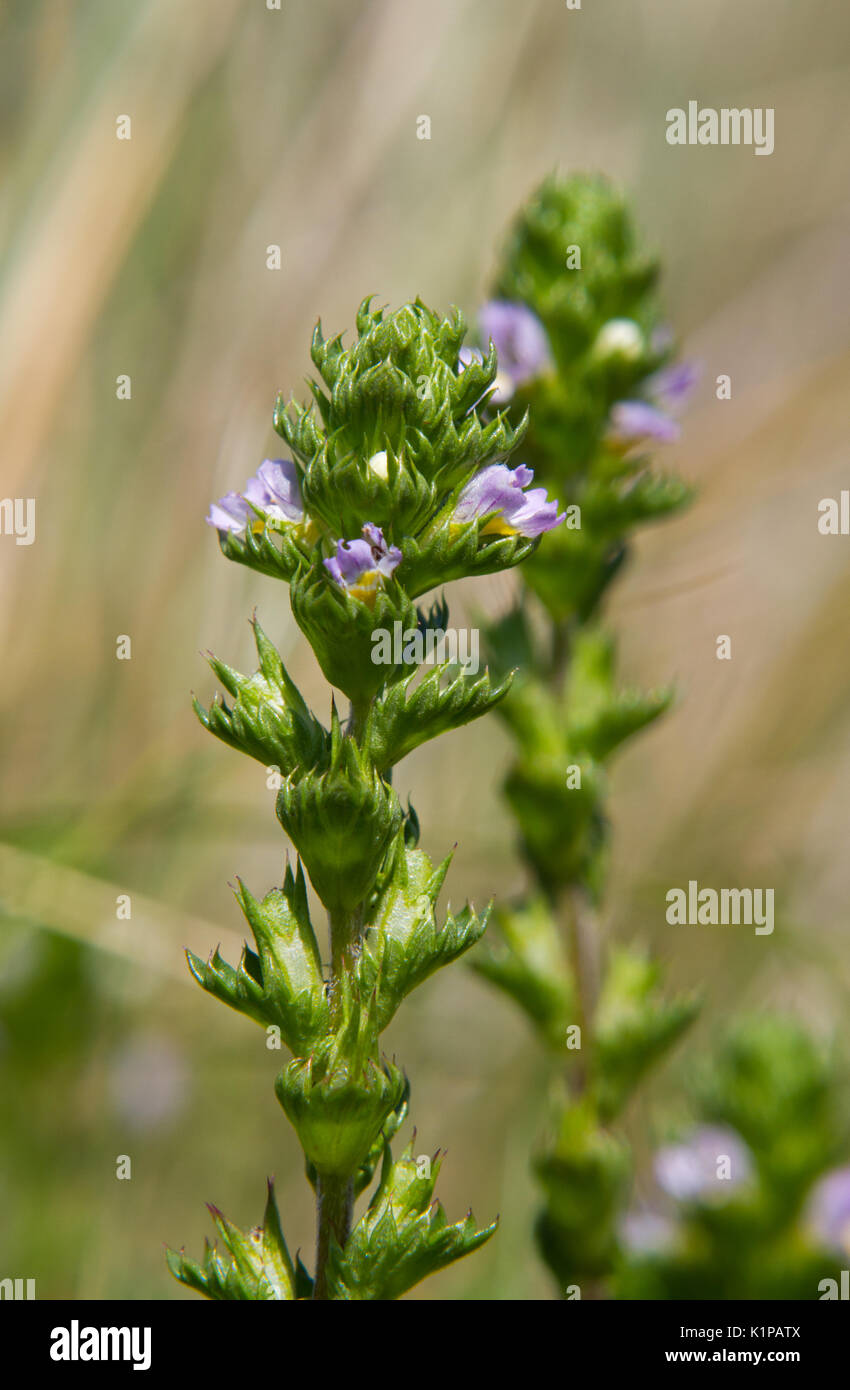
(651, 420)
(520, 342)
(230, 513)
(671, 387)
(647, 1232)
(498, 489)
(638, 422)
(711, 1162)
(360, 565)
(828, 1213)
(273, 490)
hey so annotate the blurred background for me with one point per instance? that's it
(147, 257)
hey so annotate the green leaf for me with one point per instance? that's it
(524, 957)
(268, 550)
(600, 718)
(448, 550)
(256, 1266)
(340, 1097)
(342, 820)
(407, 715)
(402, 1237)
(268, 719)
(584, 1174)
(281, 984)
(634, 1027)
(389, 1129)
(403, 944)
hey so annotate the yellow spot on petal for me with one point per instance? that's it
(497, 526)
(366, 588)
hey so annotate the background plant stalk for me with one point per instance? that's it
(335, 1196)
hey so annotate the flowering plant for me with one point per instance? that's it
(750, 1203)
(589, 358)
(397, 482)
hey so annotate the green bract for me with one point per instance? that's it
(282, 983)
(257, 1265)
(403, 1236)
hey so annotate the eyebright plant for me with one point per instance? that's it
(397, 482)
(586, 356)
(585, 353)
(769, 1106)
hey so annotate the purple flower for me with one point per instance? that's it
(650, 421)
(671, 388)
(274, 490)
(359, 565)
(647, 1232)
(520, 341)
(829, 1210)
(230, 513)
(693, 1169)
(499, 489)
(637, 422)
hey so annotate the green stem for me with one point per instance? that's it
(345, 929)
(335, 1195)
(583, 949)
(334, 1206)
(357, 716)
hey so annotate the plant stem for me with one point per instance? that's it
(345, 929)
(357, 716)
(334, 1206)
(335, 1195)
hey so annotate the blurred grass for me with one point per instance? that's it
(253, 127)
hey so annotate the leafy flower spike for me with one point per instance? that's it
(274, 490)
(359, 566)
(497, 492)
(359, 525)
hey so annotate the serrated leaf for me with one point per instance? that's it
(282, 982)
(402, 1237)
(403, 943)
(408, 715)
(268, 719)
(634, 1027)
(256, 1266)
(525, 958)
